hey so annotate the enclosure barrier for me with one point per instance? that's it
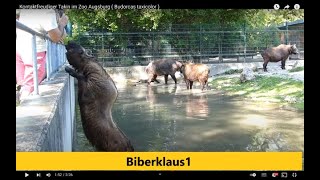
(205, 44)
(46, 122)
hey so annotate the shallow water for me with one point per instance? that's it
(171, 118)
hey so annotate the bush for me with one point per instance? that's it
(233, 71)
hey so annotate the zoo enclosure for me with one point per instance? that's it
(198, 43)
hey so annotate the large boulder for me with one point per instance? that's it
(247, 74)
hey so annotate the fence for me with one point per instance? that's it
(204, 44)
(59, 116)
(55, 56)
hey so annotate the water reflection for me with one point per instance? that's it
(153, 93)
(171, 118)
(197, 106)
(151, 98)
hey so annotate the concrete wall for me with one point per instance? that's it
(122, 74)
(46, 122)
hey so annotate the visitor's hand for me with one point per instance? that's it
(63, 21)
(63, 36)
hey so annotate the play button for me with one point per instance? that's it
(26, 174)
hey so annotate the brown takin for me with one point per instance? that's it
(96, 95)
(164, 67)
(195, 72)
(279, 53)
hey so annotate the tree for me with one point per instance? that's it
(147, 20)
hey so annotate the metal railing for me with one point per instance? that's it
(62, 123)
(55, 55)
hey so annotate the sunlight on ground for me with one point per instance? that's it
(255, 120)
(240, 92)
(206, 134)
(138, 72)
(119, 79)
(213, 132)
(32, 110)
(290, 90)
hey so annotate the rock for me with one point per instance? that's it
(254, 68)
(247, 74)
(290, 99)
(295, 65)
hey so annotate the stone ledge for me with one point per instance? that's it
(34, 115)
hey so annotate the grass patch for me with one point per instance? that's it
(297, 69)
(272, 89)
(233, 71)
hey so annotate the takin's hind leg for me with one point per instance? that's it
(265, 66)
(187, 83)
(191, 83)
(283, 64)
(174, 78)
(166, 78)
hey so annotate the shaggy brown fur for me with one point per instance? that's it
(96, 95)
(195, 72)
(279, 53)
(163, 67)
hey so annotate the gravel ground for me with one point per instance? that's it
(276, 71)
(272, 71)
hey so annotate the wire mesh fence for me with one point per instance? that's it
(205, 44)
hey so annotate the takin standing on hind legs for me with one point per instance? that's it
(279, 53)
(96, 95)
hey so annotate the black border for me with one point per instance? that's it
(166, 4)
(179, 4)
(160, 174)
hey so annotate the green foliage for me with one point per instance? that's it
(113, 20)
(233, 71)
(258, 18)
(150, 20)
(264, 38)
(180, 20)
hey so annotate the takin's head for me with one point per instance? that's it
(179, 65)
(77, 56)
(183, 66)
(149, 67)
(294, 49)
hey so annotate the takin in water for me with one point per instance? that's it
(164, 67)
(195, 72)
